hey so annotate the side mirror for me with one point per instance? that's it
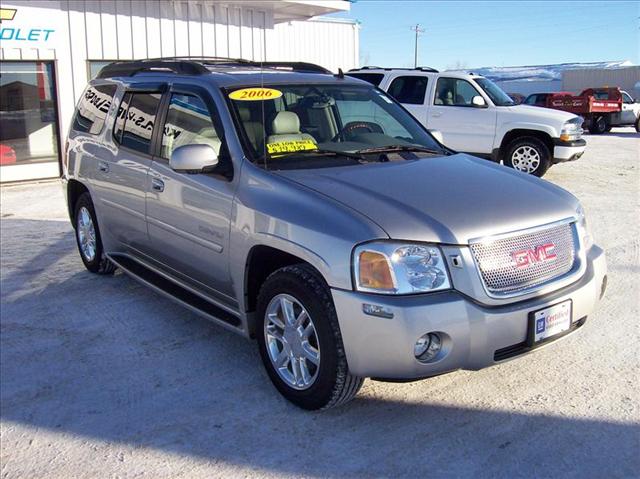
(437, 134)
(193, 158)
(478, 102)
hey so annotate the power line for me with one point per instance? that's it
(418, 31)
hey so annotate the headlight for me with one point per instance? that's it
(399, 268)
(583, 228)
(572, 129)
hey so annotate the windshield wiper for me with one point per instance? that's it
(318, 152)
(393, 148)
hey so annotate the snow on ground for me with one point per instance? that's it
(101, 377)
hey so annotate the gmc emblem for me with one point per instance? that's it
(540, 254)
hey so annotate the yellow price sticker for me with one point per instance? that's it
(280, 147)
(255, 94)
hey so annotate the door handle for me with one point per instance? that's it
(436, 114)
(103, 166)
(157, 184)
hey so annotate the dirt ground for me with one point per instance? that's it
(101, 377)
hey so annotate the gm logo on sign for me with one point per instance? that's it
(7, 13)
(21, 34)
(540, 324)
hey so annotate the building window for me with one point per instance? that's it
(28, 116)
(94, 67)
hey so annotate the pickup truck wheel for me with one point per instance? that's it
(88, 237)
(598, 125)
(528, 155)
(300, 342)
(638, 125)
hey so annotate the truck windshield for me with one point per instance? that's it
(331, 123)
(493, 91)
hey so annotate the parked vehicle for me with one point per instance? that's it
(517, 98)
(540, 99)
(602, 108)
(475, 116)
(7, 155)
(310, 211)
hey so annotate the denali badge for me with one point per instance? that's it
(540, 254)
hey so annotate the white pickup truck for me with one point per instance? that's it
(473, 115)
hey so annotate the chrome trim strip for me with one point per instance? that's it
(188, 236)
(120, 207)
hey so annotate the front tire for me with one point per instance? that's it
(638, 125)
(300, 342)
(88, 237)
(528, 155)
(599, 125)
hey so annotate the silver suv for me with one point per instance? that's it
(312, 212)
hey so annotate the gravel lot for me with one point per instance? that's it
(103, 378)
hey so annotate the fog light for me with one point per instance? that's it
(427, 347)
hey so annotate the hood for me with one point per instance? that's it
(541, 113)
(449, 199)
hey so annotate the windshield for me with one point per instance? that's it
(493, 91)
(327, 123)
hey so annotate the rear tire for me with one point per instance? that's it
(88, 237)
(638, 125)
(599, 125)
(302, 291)
(528, 155)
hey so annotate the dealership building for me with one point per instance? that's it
(49, 50)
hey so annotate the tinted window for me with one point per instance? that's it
(141, 110)
(626, 97)
(93, 108)
(122, 114)
(409, 89)
(454, 92)
(531, 100)
(188, 123)
(373, 78)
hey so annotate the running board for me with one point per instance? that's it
(176, 292)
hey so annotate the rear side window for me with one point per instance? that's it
(135, 121)
(409, 89)
(373, 78)
(93, 108)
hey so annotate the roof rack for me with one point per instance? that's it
(371, 67)
(198, 66)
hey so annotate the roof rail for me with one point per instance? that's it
(371, 67)
(130, 68)
(198, 66)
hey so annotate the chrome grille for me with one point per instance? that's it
(501, 273)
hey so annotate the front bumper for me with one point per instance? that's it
(475, 336)
(568, 150)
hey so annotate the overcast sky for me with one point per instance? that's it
(506, 33)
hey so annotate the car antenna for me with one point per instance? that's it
(340, 73)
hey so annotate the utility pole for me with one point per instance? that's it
(418, 31)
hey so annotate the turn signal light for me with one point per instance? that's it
(374, 271)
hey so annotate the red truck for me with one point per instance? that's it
(595, 105)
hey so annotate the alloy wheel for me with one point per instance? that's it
(292, 341)
(86, 234)
(526, 159)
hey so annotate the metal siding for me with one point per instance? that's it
(578, 80)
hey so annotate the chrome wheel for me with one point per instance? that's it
(525, 159)
(292, 341)
(86, 234)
